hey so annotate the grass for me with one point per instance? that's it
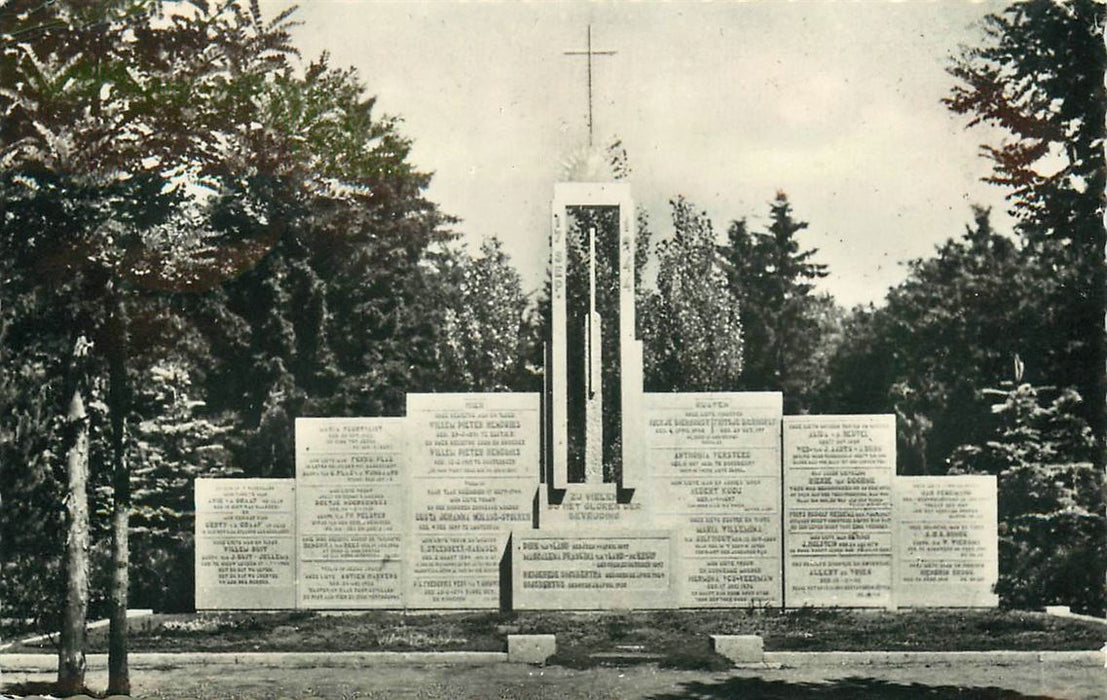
(674, 638)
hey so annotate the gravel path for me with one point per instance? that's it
(821, 678)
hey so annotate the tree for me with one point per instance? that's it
(1038, 76)
(179, 155)
(328, 322)
(690, 325)
(34, 136)
(98, 145)
(947, 332)
(485, 323)
(71, 662)
(56, 226)
(44, 452)
(1052, 527)
(784, 322)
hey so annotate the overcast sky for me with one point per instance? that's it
(725, 103)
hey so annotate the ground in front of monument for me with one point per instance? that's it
(660, 654)
(956, 678)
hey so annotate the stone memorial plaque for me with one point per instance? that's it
(574, 570)
(245, 544)
(474, 471)
(350, 512)
(591, 506)
(714, 476)
(946, 541)
(838, 474)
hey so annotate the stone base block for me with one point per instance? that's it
(739, 648)
(530, 648)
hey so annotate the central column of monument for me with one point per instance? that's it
(592, 337)
(593, 361)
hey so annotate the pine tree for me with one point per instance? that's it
(1052, 527)
(784, 321)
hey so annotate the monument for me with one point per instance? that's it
(245, 545)
(838, 473)
(350, 512)
(595, 494)
(946, 541)
(472, 478)
(595, 368)
(714, 476)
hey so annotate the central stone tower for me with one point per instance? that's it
(594, 382)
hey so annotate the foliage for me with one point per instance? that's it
(94, 196)
(175, 442)
(328, 322)
(485, 324)
(948, 331)
(243, 241)
(1038, 77)
(32, 481)
(690, 325)
(1053, 528)
(787, 327)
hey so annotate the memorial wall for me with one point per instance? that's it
(710, 499)
(245, 543)
(735, 506)
(714, 477)
(473, 476)
(947, 546)
(838, 473)
(350, 514)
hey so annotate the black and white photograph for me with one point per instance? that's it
(369, 349)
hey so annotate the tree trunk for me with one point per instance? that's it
(1098, 423)
(119, 678)
(71, 654)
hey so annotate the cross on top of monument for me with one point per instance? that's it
(590, 52)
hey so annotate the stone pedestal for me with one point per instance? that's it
(530, 648)
(739, 648)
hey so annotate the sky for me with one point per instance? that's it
(837, 104)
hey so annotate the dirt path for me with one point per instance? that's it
(426, 681)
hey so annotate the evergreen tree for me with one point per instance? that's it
(784, 322)
(1052, 527)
